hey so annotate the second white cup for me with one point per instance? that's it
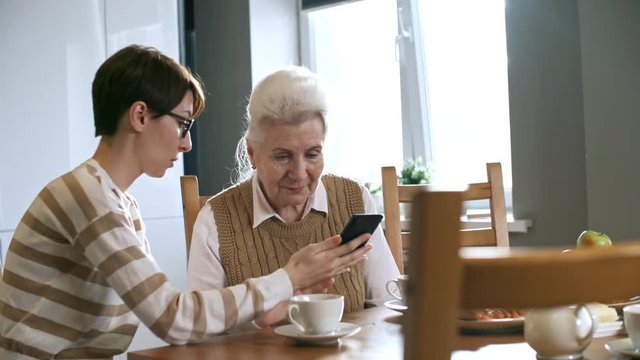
(316, 313)
(631, 314)
(398, 287)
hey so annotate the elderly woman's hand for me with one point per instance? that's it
(317, 262)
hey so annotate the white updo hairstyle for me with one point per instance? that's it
(290, 95)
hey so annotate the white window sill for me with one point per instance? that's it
(514, 225)
(475, 222)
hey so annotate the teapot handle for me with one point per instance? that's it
(592, 328)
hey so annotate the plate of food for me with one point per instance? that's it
(491, 320)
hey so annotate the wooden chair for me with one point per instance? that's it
(393, 195)
(445, 278)
(192, 202)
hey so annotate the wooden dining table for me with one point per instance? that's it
(380, 337)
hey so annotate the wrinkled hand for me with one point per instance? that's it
(317, 262)
(279, 312)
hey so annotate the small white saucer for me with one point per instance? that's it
(622, 347)
(397, 305)
(292, 332)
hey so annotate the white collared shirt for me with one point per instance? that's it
(205, 269)
(262, 210)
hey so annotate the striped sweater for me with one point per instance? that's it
(79, 277)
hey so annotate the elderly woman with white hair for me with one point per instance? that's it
(282, 202)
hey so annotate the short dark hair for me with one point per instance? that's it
(140, 73)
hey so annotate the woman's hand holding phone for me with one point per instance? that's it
(317, 262)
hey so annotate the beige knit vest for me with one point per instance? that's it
(246, 252)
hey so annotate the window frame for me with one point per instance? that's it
(416, 134)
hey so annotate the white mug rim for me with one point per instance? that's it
(308, 298)
(632, 309)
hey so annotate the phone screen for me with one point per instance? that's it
(360, 224)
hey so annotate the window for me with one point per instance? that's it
(359, 64)
(413, 79)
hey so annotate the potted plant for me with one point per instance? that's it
(414, 172)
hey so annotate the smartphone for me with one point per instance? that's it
(358, 225)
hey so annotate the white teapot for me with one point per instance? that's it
(560, 332)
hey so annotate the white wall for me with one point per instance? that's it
(50, 53)
(46, 69)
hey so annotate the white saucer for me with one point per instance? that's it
(292, 332)
(622, 347)
(397, 305)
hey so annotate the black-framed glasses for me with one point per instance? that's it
(185, 123)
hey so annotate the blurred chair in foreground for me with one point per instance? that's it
(492, 190)
(445, 278)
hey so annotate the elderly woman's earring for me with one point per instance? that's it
(253, 166)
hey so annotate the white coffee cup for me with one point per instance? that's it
(631, 314)
(398, 287)
(316, 313)
(559, 332)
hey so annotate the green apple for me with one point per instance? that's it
(590, 238)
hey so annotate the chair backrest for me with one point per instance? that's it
(394, 194)
(496, 277)
(192, 202)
